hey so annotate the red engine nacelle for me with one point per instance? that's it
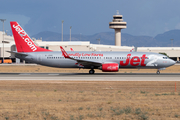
(110, 67)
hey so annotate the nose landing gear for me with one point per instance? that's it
(158, 72)
(91, 71)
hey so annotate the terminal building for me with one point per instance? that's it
(117, 24)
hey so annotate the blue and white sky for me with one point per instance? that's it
(88, 17)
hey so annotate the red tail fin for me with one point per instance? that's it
(23, 41)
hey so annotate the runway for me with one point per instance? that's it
(94, 77)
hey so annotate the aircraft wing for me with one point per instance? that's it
(18, 53)
(80, 61)
(86, 62)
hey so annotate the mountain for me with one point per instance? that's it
(138, 41)
(165, 38)
(107, 38)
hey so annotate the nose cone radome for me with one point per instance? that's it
(172, 62)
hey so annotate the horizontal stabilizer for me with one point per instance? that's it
(24, 54)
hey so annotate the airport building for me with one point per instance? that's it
(117, 24)
(7, 44)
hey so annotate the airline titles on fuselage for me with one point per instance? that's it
(85, 54)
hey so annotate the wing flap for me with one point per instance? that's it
(86, 62)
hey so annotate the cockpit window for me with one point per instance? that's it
(165, 57)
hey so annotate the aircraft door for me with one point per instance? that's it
(156, 58)
(153, 60)
(101, 59)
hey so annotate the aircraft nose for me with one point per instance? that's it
(172, 62)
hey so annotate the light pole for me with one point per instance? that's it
(2, 20)
(171, 42)
(62, 29)
(80, 36)
(70, 32)
(98, 40)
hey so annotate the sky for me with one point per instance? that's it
(88, 17)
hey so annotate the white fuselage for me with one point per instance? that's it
(124, 59)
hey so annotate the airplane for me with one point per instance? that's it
(106, 61)
(71, 49)
(133, 49)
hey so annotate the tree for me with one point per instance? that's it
(163, 54)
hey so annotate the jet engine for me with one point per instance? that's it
(110, 67)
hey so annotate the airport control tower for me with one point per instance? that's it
(117, 24)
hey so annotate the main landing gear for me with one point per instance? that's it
(91, 71)
(158, 72)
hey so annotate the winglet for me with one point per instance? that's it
(132, 50)
(71, 49)
(64, 52)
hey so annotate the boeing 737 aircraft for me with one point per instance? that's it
(105, 61)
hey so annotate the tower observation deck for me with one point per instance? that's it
(117, 24)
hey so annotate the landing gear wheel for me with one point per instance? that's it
(158, 72)
(91, 71)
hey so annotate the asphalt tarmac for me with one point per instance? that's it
(92, 77)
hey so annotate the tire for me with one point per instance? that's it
(158, 72)
(91, 71)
